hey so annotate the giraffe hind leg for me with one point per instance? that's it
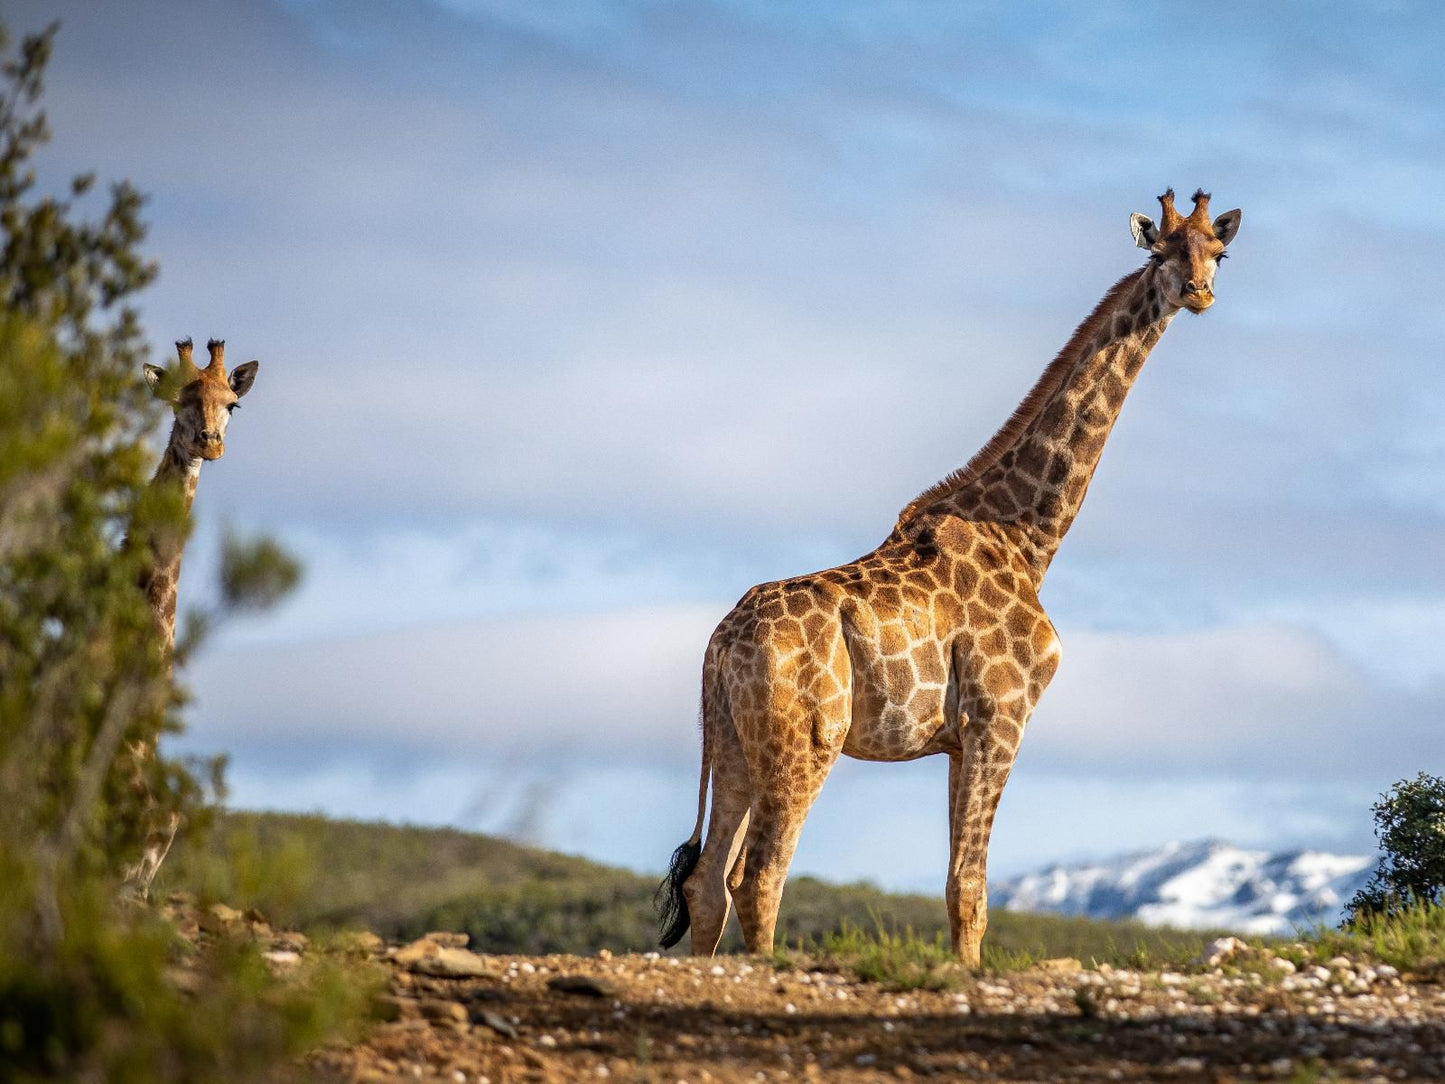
(775, 824)
(706, 889)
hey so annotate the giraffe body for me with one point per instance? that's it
(203, 400)
(933, 643)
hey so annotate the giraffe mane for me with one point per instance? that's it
(1028, 410)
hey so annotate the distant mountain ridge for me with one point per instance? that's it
(1206, 884)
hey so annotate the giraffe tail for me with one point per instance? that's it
(669, 899)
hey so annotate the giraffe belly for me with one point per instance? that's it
(899, 701)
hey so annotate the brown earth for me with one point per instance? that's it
(457, 1016)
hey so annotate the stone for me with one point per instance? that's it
(220, 917)
(290, 941)
(428, 957)
(584, 985)
(492, 1020)
(1220, 950)
(282, 959)
(443, 1012)
(1060, 965)
(359, 942)
(449, 938)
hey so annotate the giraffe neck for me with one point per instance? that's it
(161, 579)
(1043, 460)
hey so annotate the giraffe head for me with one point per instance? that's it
(202, 398)
(1186, 251)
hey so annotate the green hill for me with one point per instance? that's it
(316, 874)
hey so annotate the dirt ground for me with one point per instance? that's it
(472, 1019)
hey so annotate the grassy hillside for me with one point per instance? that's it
(312, 873)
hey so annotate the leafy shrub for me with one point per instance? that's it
(89, 992)
(1410, 826)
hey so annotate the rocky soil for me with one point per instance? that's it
(1240, 1015)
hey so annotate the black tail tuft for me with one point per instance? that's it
(670, 902)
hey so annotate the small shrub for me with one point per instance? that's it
(1410, 825)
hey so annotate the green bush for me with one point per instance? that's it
(89, 990)
(1410, 826)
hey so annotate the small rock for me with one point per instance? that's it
(290, 941)
(282, 959)
(359, 942)
(604, 954)
(1220, 950)
(428, 957)
(441, 1011)
(448, 938)
(585, 985)
(495, 1022)
(1060, 965)
(219, 916)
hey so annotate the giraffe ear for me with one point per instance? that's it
(243, 376)
(1144, 230)
(1227, 225)
(156, 378)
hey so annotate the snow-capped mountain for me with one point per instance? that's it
(1205, 884)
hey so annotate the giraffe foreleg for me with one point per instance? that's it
(976, 778)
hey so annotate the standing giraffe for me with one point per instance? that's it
(203, 400)
(933, 643)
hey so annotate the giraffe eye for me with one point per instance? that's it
(231, 408)
(1221, 257)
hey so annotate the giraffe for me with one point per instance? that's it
(933, 643)
(203, 400)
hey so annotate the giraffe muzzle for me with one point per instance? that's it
(1198, 300)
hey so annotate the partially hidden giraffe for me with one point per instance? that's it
(933, 643)
(202, 400)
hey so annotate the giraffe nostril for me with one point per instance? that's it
(1191, 287)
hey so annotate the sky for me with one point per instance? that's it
(576, 320)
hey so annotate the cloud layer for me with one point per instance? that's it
(577, 320)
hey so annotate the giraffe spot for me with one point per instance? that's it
(928, 663)
(814, 625)
(947, 611)
(892, 640)
(994, 642)
(888, 598)
(925, 703)
(1019, 620)
(1060, 468)
(1091, 445)
(798, 603)
(979, 615)
(899, 673)
(1033, 457)
(991, 595)
(966, 580)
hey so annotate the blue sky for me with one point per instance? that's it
(576, 320)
